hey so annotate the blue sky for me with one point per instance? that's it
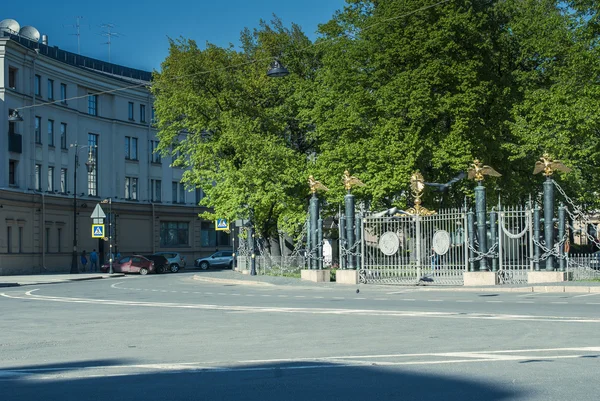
(145, 25)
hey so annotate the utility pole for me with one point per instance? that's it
(78, 34)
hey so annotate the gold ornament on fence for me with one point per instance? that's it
(315, 185)
(351, 181)
(478, 170)
(417, 186)
(549, 166)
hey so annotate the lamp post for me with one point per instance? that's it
(110, 245)
(90, 164)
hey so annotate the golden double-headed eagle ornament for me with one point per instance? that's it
(315, 185)
(549, 166)
(351, 181)
(478, 170)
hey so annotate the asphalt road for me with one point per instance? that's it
(170, 337)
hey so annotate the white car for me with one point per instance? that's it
(175, 259)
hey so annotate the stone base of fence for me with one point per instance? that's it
(537, 277)
(480, 278)
(346, 276)
(316, 276)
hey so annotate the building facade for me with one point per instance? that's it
(73, 105)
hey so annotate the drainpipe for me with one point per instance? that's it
(44, 250)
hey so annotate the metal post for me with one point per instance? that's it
(418, 243)
(343, 264)
(549, 220)
(561, 234)
(358, 240)
(494, 237)
(471, 235)
(309, 244)
(320, 244)
(481, 224)
(234, 261)
(350, 210)
(110, 245)
(536, 236)
(251, 245)
(314, 223)
(74, 266)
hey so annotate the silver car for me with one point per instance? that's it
(217, 259)
(175, 259)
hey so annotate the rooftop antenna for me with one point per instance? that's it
(109, 34)
(78, 34)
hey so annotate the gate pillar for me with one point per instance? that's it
(549, 220)
(480, 203)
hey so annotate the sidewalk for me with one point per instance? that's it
(35, 279)
(237, 278)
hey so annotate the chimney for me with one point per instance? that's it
(45, 40)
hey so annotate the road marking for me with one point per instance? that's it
(464, 301)
(592, 303)
(282, 296)
(381, 299)
(435, 300)
(265, 295)
(318, 297)
(328, 362)
(406, 299)
(585, 295)
(561, 303)
(249, 295)
(299, 296)
(525, 302)
(29, 295)
(236, 295)
(339, 298)
(494, 302)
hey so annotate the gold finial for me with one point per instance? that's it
(350, 181)
(417, 186)
(548, 166)
(315, 185)
(478, 170)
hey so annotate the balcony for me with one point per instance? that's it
(15, 143)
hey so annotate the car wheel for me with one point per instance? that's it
(160, 269)
(174, 268)
(143, 271)
(204, 265)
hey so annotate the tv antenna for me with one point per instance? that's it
(77, 26)
(109, 34)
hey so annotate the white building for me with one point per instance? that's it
(67, 99)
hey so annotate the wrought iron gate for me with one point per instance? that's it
(410, 249)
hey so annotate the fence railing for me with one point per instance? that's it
(583, 266)
(274, 265)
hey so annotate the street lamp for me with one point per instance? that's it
(90, 164)
(15, 117)
(276, 70)
(110, 252)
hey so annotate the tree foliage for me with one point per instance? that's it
(388, 87)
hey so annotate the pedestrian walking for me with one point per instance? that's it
(83, 261)
(93, 261)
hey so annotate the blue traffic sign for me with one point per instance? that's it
(97, 230)
(221, 225)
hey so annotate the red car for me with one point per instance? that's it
(131, 264)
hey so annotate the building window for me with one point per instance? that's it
(37, 85)
(12, 172)
(131, 148)
(12, 78)
(154, 154)
(38, 177)
(174, 233)
(181, 193)
(20, 239)
(50, 132)
(199, 195)
(50, 178)
(174, 191)
(63, 135)
(38, 129)
(50, 89)
(9, 239)
(93, 175)
(92, 105)
(131, 185)
(142, 113)
(208, 235)
(47, 239)
(130, 111)
(59, 238)
(63, 93)
(63, 180)
(12, 126)
(156, 190)
(153, 116)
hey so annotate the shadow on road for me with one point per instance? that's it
(281, 382)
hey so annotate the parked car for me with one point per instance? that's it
(131, 264)
(217, 259)
(161, 264)
(176, 260)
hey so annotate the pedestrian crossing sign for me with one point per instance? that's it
(221, 225)
(97, 230)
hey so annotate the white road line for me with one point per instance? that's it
(494, 302)
(592, 303)
(67, 372)
(586, 295)
(282, 296)
(406, 299)
(315, 311)
(381, 299)
(299, 296)
(318, 297)
(561, 303)
(435, 300)
(339, 298)
(360, 298)
(525, 302)
(464, 301)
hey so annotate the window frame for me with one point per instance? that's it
(50, 89)
(50, 133)
(12, 172)
(63, 136)
(92, 104)
(38, 177)
(130, 107)
(142, 113)
(63, 93)
(37, 85)
(174, 234)
(12, 77)
(37, 128)
(64, 180)
(50, 186)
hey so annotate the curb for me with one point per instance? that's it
(68, 280)
(229, 281)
